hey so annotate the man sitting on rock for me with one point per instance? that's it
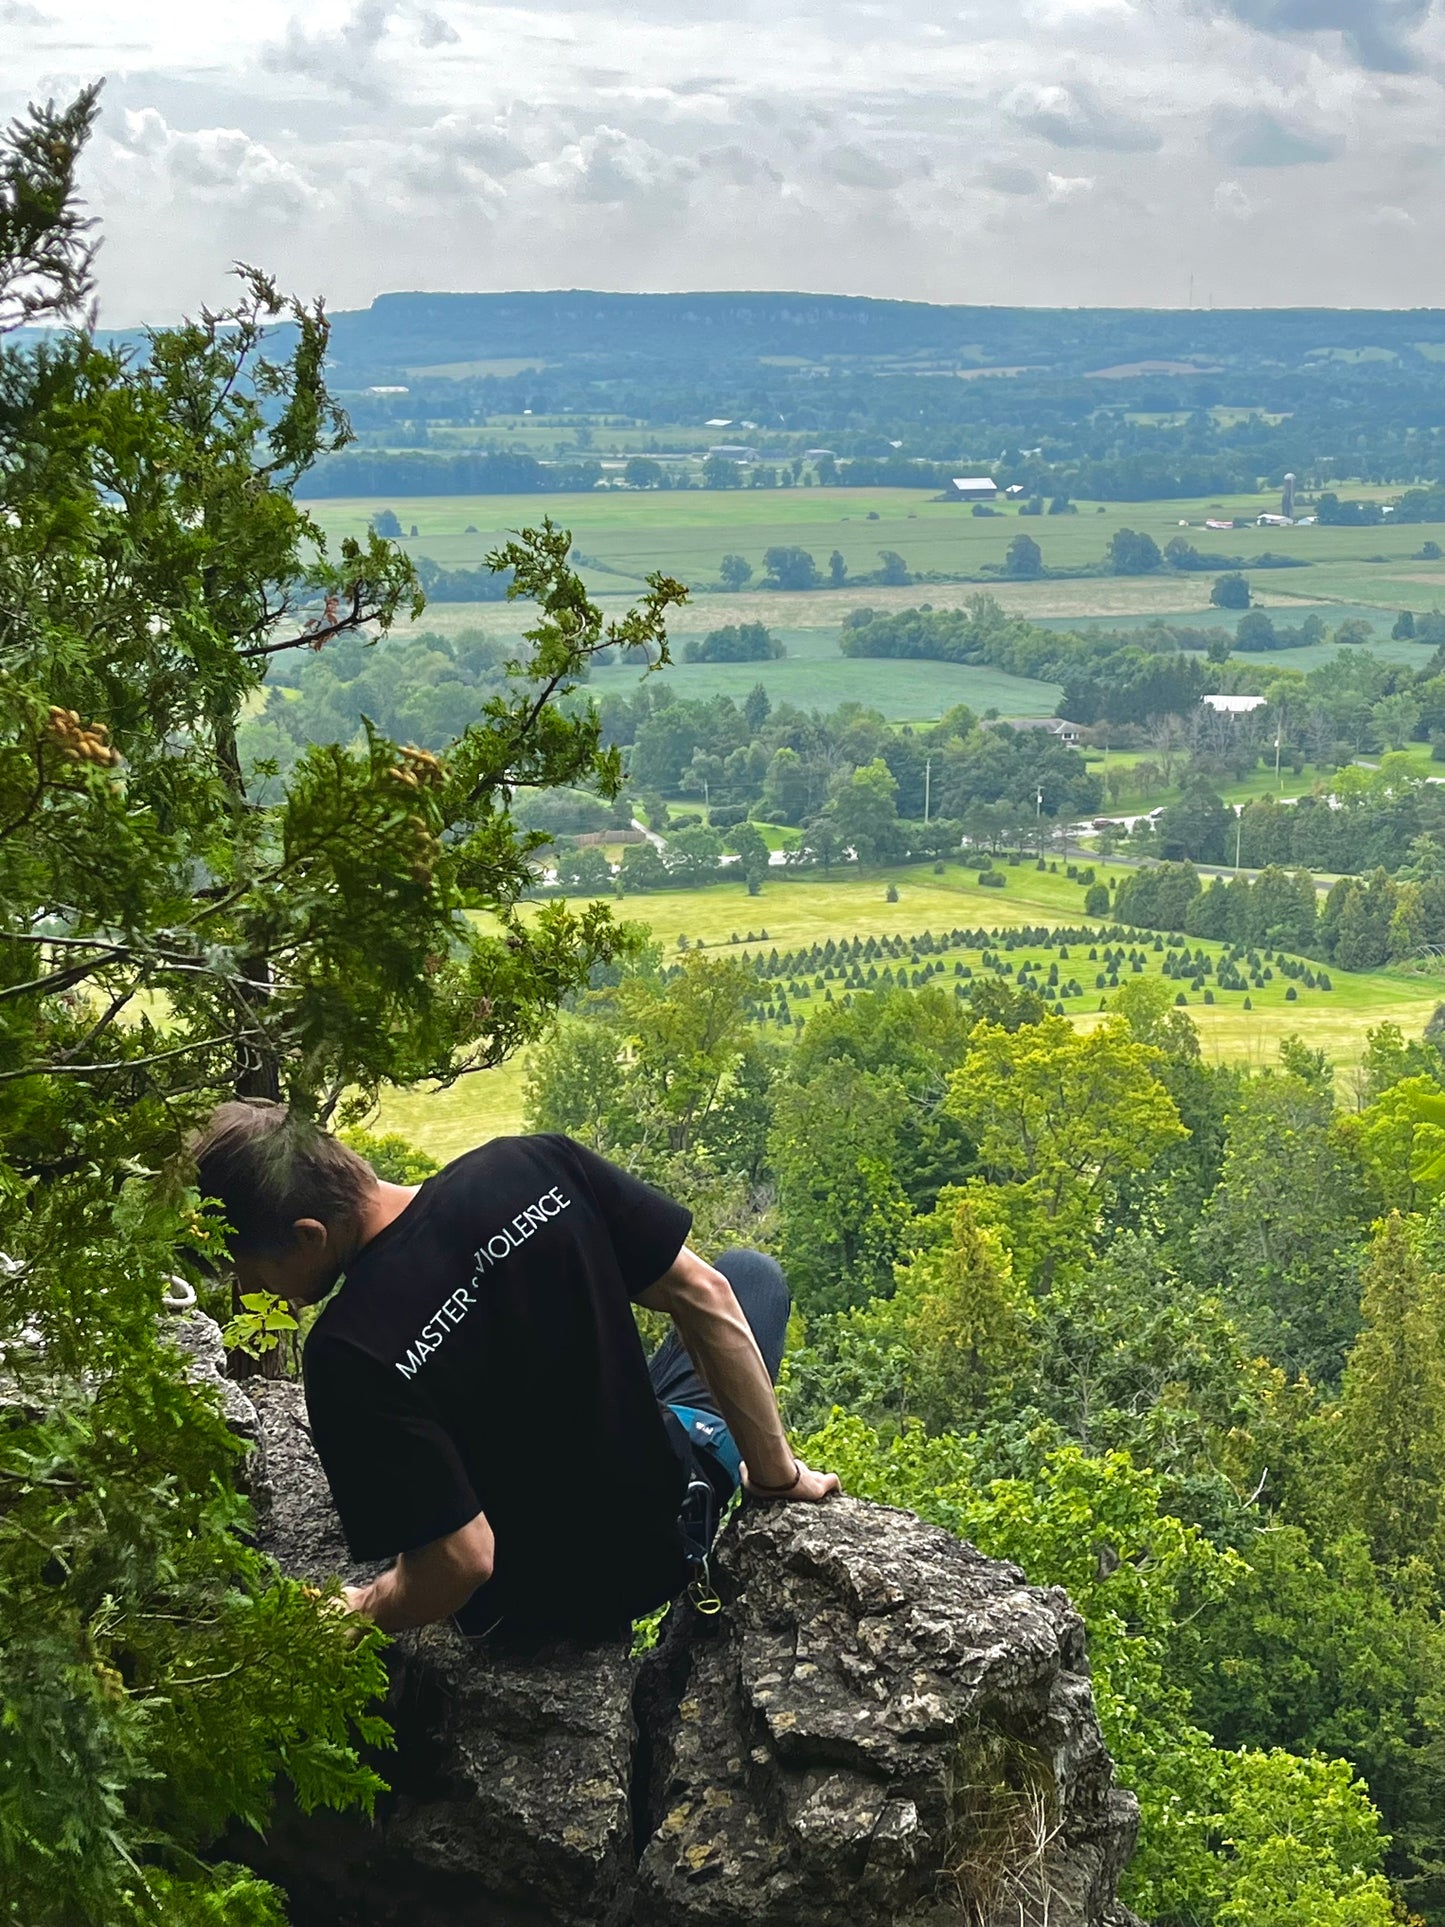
(477, 1390)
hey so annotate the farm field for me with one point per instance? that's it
(624, 534)
(798, 913)
(620, 536)
(819, 678)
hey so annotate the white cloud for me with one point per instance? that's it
(1006, 178)
(919, 148)
(145, 131)
(211, 166)
(852, 166)
(433, 31)
(342, 59)
(1231, 201)
(613, 167)
(1076, 117)
(1260, 137)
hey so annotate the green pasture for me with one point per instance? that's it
(621, 535)
(794, 913)
(626, 533)
(902, 691)
(1415, 655)
(485, 1104)
(1259, 782)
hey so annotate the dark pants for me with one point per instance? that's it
(762, 1291)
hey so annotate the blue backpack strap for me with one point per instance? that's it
(708, 1434)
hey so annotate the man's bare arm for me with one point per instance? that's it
(430, 1583)
(711, 1325)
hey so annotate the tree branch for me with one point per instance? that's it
(314, 638)
(54, 1069)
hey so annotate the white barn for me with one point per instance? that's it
(1232, 705)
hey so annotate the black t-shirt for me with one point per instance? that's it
(481, 1356)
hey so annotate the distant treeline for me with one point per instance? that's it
(1134, 478)
(1193, 404)
(1106, 676)
(403, 472)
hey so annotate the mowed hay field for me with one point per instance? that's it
(619, 536)
(797, 913)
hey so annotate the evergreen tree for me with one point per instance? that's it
(756, 708)
(1392, 1404)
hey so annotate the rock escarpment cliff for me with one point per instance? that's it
(882, 1728)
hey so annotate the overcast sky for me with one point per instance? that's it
(1054, 152)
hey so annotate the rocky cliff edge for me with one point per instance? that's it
(881, 1728)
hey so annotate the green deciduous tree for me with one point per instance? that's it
(1396, 718)
(1134, 554)
(688, 1036)
(864, 811)
(750, 847)
(1061, 1117)
(841, 1208)
(789, 567)
(1315, 1651)
(1230, 592)
(576, 1083)
(949, 1346)
(1393, 1141)
(734, 642)
(1244, 1837)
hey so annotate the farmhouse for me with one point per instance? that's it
(1065, 731)
(973, 488)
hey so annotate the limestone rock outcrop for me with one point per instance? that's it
(882, 1728)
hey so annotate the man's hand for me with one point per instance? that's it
(808, 1488)
(428, 1584)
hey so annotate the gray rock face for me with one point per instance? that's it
(886, 1728)
(881, 1729)
(199, 1338)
